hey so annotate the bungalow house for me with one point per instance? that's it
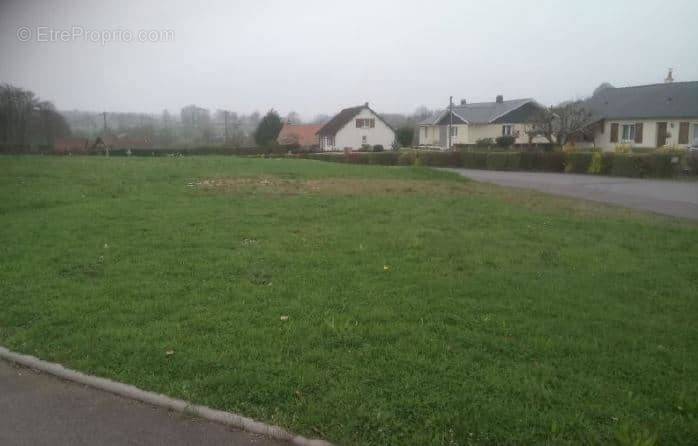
(471, 122)
(645, 116)
(299, 135)
(355, 127)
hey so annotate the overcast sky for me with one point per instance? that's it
(318, 56)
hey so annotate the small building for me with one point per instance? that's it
(645, 116)
(471, 122)
(70, 145)
(120, 142)
(354, 128)
(299, 135)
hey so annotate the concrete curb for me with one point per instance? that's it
(155, 399)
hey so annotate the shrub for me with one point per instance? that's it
(378, 148)
(596, 163)
(578, 162)
(365, 148)
(474, 160)
(691, 161)
(484, 142)
(660, 165)
(625, 165)
(406, 158)
(439, 159)
(505, 141)
(503, 160)
(383, 158)
(623, 148)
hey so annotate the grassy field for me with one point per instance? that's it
(421, 308)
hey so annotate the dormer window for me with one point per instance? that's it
(365, 123)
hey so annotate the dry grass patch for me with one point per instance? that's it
(332, 186)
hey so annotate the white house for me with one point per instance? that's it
(472, 122)
(645, 116)
(355, 127)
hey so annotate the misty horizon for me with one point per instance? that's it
(310, 59)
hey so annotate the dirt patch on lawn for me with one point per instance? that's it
(331, 186)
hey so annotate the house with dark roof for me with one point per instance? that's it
(470, 122)
(355, 127)
(645, 116)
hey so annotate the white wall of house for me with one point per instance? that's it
(602, 138)
(494, 131)
(353, 137)
(469, 134)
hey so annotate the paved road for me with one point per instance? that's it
(37, 410)
(675, 198)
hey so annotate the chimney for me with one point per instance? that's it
(500, 99)
(366, 104)
(669, 77)
(463, 102)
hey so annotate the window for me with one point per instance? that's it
(683, 133)
(365, 123)
(628, 132)
(506, 130)
(695, 134)
(364, 139)
(425, 132)
(454, 131)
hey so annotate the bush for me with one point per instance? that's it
(383, 158)
(406, 158)
(484, 142)
(692, 162)
(659, 165)
(505, 141)
(378, 148)
(474, 160)
(503, 160)
(625, 165)
(439, 159)
(365, 148)
(578, 162)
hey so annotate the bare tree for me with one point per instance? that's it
(557, 124)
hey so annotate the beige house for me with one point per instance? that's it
(355, 127)
(646, 116)
(471, 122)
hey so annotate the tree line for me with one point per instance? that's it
(26, 120)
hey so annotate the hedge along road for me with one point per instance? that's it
(674, 198)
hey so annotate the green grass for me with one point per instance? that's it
(503, 316)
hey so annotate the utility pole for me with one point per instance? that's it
(104, 117)
(450, 120)
(225, 114)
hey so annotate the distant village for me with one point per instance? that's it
(643, 117)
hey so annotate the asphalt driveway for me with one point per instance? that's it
(674, 198)
(37, 409)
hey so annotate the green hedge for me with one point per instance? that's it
(440, 159)
(578, 162)
(503, 160)
(626, 165)
(474, 160)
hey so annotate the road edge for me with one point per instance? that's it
(159, 400)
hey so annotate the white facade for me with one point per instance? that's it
(628, 128)
(430, 135)
(355, 134)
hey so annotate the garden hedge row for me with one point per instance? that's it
(660, 165)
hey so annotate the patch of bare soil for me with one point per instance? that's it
(331, 186)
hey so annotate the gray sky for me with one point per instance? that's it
(318, 56)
